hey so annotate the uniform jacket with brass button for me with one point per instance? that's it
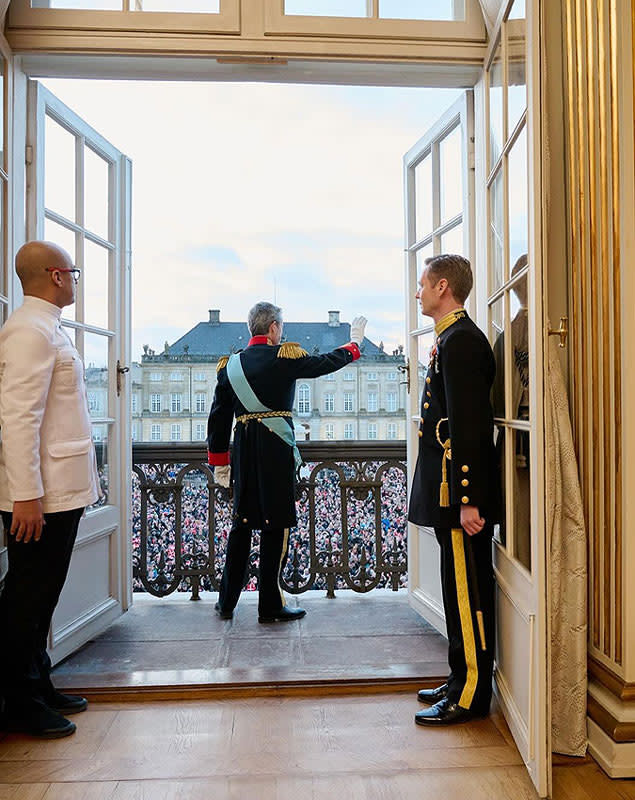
(263, 467)
(46, 450)
(456, 405)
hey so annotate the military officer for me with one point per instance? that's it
(257, 386)
(455, 488)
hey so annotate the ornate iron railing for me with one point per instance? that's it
(351, 532)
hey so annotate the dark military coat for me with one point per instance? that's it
(457, 385)
(263, 467)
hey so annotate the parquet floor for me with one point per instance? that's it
(299, 748)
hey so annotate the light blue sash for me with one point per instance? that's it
(247, 397)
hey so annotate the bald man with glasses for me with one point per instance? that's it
(48, 475)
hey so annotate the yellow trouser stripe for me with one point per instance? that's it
(285, 544)
(465, 613)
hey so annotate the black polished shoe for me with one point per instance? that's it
(65, 703)
(445, 712)
(284, 615)
(432, 696)
(35, 718)
(223, 614)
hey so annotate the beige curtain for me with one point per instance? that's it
(568, 548)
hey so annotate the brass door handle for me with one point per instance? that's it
(562, 331)
(405, 368)
(120, 371)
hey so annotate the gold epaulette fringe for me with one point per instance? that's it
(222, 362)
(291, 350)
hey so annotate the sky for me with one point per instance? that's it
(251, 191)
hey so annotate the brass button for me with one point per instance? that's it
(465, 482)
(465, 499)
(429, 394)
(245, 521)
(266, 522)
(426, 405)
(420, 434)
(428, 380)
(465, 468)
(259, 420)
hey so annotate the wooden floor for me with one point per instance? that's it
(322, 748)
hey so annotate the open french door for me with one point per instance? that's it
(505, 252)
(79, 196)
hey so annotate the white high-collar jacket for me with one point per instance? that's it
(46, 448)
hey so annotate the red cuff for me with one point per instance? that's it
(218, 459)
(352, 348)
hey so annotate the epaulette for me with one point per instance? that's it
(222, 362)
(291, 350)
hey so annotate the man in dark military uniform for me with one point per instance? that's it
(257, 386)
(456, 488)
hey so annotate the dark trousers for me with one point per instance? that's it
(273, 556)
(37, 572)
(467, 580)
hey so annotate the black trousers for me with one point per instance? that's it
(35, 578)
(467, 581)
(273, 556)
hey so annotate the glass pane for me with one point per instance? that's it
(516, 80)
(95, 284)
(451, 175)
(62, 237)
(425, 343)
(452, 241)
(92, 5)
(59, 169)
(517, 164)
(497, 341)
(327, 8)
(100, 439)
(95, 193)
(422, 9)
(423, 198)
(496, 233)
(501, 439)
(520, 347)
(520, 500)
(184, 6)
(421, 255)
(96, 369)
(496, 108)
(518, 10)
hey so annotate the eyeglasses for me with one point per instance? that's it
(75, 272)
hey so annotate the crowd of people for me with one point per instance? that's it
(346, 547)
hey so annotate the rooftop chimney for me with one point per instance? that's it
(214, 316)
(334, 319)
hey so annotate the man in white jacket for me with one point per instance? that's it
(48, 475)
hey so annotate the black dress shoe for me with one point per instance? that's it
(445, 712)
(35, 718)
(223, 614)
(284, 615)
(432, 696)
(65, 703)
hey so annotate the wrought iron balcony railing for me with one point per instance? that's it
(351, 532)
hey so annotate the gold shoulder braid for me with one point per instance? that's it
(446, 322)
(291, 350)
(222, 362)
(444, 492)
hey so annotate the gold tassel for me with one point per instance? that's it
(444, 493)
(222, 363)
(291, 350)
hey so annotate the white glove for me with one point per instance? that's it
(358, 326)
(221, 476)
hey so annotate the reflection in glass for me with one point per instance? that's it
(450, 153)
(91, 5)
(521, 498)
(497, 342)
(496, 108)
(59, 169)
(96, 369)
(520, 344)
(95, 284)
(184, 6)
(423, 198)
(100, 440)
(501, 438)
(516, 80)
(422, 9)
(96, 193)
(496, 233)
(327, 8)
(452, 241)
(518, 198)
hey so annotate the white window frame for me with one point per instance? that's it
(156, 376)
(349, 402)
(134, 403)
(329, 431)
(329, 402)
(349, 430)
(304, 399)
(155, 403)
(372, 430)
(176, 377)
(371, 376)
(392, 401)
(349, 376)
(176, 402)
(372, 401)
(200, 433)
(391, 430)
(176, 430)
(201, 402)
(155, 432)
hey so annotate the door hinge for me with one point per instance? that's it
(28, 154)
